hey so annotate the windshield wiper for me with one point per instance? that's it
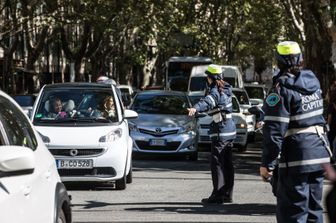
(69, 120)
(103, 120)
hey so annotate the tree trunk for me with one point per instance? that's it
(318, 47)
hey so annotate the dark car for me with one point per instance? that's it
(25, 101)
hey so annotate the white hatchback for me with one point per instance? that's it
(85, 127)
(30, 187)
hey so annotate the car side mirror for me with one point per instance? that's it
(16, 160)
(255, 110)
(130, 114)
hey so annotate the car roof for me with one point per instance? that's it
(78, 85)
(162, 92)
(124, 86)
(238, 89)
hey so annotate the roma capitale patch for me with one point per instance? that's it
(272, 99)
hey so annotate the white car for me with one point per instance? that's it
(256, 92)
(238, 117)
(30, 187)
(89, 138)
(245, 104)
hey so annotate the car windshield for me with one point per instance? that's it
(255, 92)
(76, 105)
(124, 90)
(195, 99)
(161, 104)
(228, 76)
(232, 81)
(24, 100)
(235, 105)
(242, 97)
(198, 83)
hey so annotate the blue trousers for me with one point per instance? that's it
(222, 171)
(299, 197)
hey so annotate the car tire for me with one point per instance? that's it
(129, 178)
(121, 183)
(194, 156)
(61, 216)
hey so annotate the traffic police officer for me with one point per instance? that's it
(294, 128)
(218, 104)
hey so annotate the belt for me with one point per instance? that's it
(311, 129)
(317, 129)
(217, 110)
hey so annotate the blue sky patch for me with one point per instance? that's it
(272, 99)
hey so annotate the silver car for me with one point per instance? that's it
(163, 125)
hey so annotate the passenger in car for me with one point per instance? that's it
(109, 109)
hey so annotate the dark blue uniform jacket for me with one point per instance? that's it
(294, 102)
(225, 130)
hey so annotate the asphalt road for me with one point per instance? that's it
(170, 189)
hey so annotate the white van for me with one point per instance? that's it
(197, 80)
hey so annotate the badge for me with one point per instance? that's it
(272, 99)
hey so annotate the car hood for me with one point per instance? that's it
(256, 101)
(149, 120)
(79, 136)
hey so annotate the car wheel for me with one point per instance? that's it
(194, 156)
(121, 183)
(129, 178)
(61, 216)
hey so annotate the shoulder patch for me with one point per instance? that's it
(272, 99)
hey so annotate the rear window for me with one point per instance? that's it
(24, 100)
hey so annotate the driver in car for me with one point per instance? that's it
(56, 110)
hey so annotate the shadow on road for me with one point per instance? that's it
(247, 162)
(252, 209)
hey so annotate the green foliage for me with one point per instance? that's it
(229, 31)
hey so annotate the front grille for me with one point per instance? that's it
(80, 152)
(171, 146)
(163, 133)
(99, 171)
(205, 126)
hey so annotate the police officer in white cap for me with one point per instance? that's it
(218, 104)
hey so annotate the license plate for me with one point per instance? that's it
(157, 142)
(74, 164)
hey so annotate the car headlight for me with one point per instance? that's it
(189, 128)
(132, 127)
(111, 136)
(241, 126)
